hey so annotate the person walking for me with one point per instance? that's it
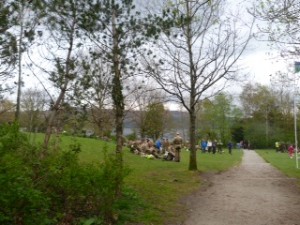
(219, 147)
(177, 142)
(230, 148)
(209, 146)
(214, 146)
(291, 150)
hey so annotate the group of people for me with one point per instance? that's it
(170, 150)
(214, 146)
(160, 149)
(210, 146)
(282, 147)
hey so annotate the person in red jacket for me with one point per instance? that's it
(291, 151)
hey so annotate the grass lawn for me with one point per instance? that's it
(155, 186)
(281, 161)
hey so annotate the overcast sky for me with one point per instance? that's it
(262, 63)
(258, 62)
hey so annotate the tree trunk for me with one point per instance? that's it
(49, 129)
(18, 106)
(56, 106)
(53, 114)
(118, 100)
(192, 114)
(192, 131)
(119, 114)
(117, 93)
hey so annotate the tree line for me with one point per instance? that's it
(262, 115)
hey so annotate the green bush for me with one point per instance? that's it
(19, 199)
(82, 191)
(10, 138)
(56, 188)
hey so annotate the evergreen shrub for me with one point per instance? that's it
(56, 188)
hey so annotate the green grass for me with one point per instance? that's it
(281, 161)
(155, 187)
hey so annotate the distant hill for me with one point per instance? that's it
(179, 122)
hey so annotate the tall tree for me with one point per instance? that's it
(223, 115)
(153, 125)
(262, 113)
(60, 45)
(214, 117)
(23, 20)
(200, 52)
(118, 29)
(8, 46)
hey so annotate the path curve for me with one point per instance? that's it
(254, 193)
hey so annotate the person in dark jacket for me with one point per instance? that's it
(230, 147)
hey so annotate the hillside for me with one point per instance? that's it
(178, 121)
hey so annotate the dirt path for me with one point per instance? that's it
(253, 193)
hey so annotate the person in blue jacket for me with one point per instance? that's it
(203, 145)
(158, 145)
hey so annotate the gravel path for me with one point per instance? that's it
(253, 193)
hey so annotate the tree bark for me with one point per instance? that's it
(192, 111)
(18, 106)
(193, 153)
(118, 100)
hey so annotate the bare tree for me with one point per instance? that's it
(33, 104)
(195, 56)
(23, 20)
(280, 24)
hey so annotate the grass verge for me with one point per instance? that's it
(281, 161)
